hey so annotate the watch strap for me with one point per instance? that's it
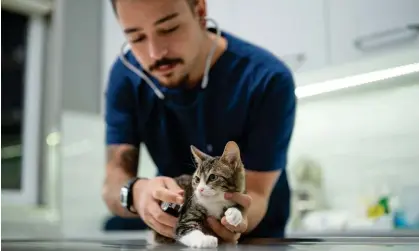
(127, 200)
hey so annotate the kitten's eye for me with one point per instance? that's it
(212, 177)
(196, 179)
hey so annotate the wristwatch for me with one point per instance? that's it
(126, 195)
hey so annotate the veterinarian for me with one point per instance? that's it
(181, 84)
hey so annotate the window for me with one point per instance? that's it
(23, 39)
(13, 51)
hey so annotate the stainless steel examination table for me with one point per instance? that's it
(316, 244)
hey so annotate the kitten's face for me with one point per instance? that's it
(216, 175)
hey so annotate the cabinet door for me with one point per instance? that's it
(294, 30)
(361, 28)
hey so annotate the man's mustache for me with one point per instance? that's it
(165, 61)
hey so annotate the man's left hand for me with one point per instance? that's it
(226, 231)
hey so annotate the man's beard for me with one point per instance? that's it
(182, 83)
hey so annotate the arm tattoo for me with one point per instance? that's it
(125, 157)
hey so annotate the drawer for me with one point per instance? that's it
(359, 28)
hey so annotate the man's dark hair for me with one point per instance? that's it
(192, 3)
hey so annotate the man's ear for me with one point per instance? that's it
(201, 11)
(198, 155)
(231, 154)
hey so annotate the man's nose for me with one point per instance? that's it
(157, 49)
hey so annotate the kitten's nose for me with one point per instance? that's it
(201, 189)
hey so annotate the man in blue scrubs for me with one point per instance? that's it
(249, 99)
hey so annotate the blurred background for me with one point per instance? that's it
(354, 157)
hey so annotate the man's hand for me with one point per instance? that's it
(147, 199)
(228, 232)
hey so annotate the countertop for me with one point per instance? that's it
(289, 244)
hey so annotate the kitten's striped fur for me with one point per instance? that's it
(215, 175)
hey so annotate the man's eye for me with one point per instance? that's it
(139, 39)
(170, 30)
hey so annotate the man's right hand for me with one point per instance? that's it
(147, 199)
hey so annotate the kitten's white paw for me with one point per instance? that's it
(233, 216)
(197, 239)
(150, 238)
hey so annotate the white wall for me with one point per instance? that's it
(362, 141)
(83, 160)
(113, 38)
(83, 169)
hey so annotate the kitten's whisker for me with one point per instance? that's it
(191, 164)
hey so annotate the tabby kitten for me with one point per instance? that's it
(204, 196)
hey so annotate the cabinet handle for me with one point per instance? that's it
(295, 61)
(387, 37)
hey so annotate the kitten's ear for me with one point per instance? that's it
(231, 154)
(198, 155)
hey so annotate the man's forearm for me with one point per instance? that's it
(121, 166)
(256, 211)
(259, 187)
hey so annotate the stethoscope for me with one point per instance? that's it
(204, 83)
(156, 90)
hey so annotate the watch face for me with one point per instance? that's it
(124, 197)
(165, 206)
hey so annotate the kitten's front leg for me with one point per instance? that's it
(233, 216)
(197, 239)
(190, 233)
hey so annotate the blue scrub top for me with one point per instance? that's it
(250, 99)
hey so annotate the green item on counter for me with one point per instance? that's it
(384, 202)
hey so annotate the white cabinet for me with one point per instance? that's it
(294, 30)
(359, 28)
